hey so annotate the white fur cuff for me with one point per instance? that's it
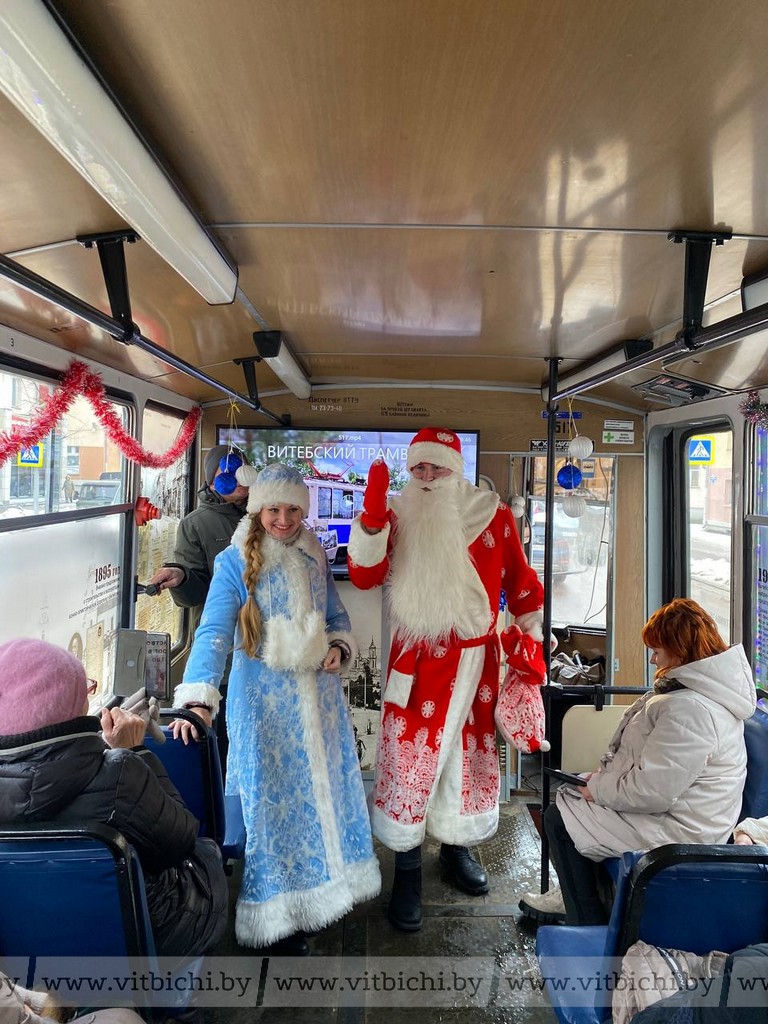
(398, 688)
(367, 549)
(349, 640)
(197, 693)
(531, 622)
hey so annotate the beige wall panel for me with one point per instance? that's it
(507, 422)
(629, 602)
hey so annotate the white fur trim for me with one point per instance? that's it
(398, 688)
(294, 644)
(367, 549)
(271, 493)
(349, 640)
(260, 924)
(464, 830)
(197, 693)
(436, 454)
(396, 835)
(531, 622)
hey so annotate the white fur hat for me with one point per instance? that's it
(276, 484)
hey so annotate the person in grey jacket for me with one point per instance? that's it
(673, 773)
(56, 767)
(202, 534)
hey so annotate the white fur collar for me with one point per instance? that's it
(274, 551)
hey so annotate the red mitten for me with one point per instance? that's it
(519, 714)
(375, 514)
(524, 654)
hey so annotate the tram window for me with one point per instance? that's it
(343, 505)
(709, 483)
(168, 489)
(323, 502)
(581, 546)
(75, 602)
(48, 477)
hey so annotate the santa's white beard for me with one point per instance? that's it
(434, 588)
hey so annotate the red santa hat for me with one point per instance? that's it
(438, 446)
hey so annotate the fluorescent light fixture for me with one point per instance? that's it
(272, 348)
(45, 78)
(606, 367)
(754, 291)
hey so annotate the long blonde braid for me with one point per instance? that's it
(250, 616)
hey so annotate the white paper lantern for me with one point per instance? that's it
(574, 505)
(517, 506)
(580, 447)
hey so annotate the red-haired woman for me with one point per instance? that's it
(673, 773)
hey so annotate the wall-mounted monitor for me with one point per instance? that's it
(334, 464)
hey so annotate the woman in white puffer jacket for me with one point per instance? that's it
(675, 768)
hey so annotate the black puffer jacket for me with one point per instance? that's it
(65, 774)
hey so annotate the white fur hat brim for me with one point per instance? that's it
(435, 453)
(274, 485)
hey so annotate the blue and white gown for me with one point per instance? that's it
(292, 758)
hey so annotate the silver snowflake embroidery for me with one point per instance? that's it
(485, 694)
(428, 709)
(488, 539)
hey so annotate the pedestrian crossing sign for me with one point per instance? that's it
(701, 451)
(31, 456)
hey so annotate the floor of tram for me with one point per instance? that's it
(473, 960)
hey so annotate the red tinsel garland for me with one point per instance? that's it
(80, 380)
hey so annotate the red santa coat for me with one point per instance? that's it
(437, 767)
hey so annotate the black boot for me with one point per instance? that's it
(405, 903)
(461, 869)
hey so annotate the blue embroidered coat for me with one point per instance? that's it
(292, 758)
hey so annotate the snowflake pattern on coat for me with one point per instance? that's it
(292, 757)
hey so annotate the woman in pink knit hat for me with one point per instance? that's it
(58, 764)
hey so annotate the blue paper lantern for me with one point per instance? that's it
(569, 476)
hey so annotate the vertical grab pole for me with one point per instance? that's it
(549, 526)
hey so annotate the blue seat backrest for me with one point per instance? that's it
(755, 800)
(71, 892)
(195, 770)
(697, 898)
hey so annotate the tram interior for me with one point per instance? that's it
(531, 221)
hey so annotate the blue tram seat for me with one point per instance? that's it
(695, 898)
(755, 800)
(195, 770)
(77, 892)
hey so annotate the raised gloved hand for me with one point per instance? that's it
(524, 654)
(375, 514)
(148, 709)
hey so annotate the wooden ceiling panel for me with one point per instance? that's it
(491, 293)
(527, 160)
(167, 310)
(42, 199)
(650, 114)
